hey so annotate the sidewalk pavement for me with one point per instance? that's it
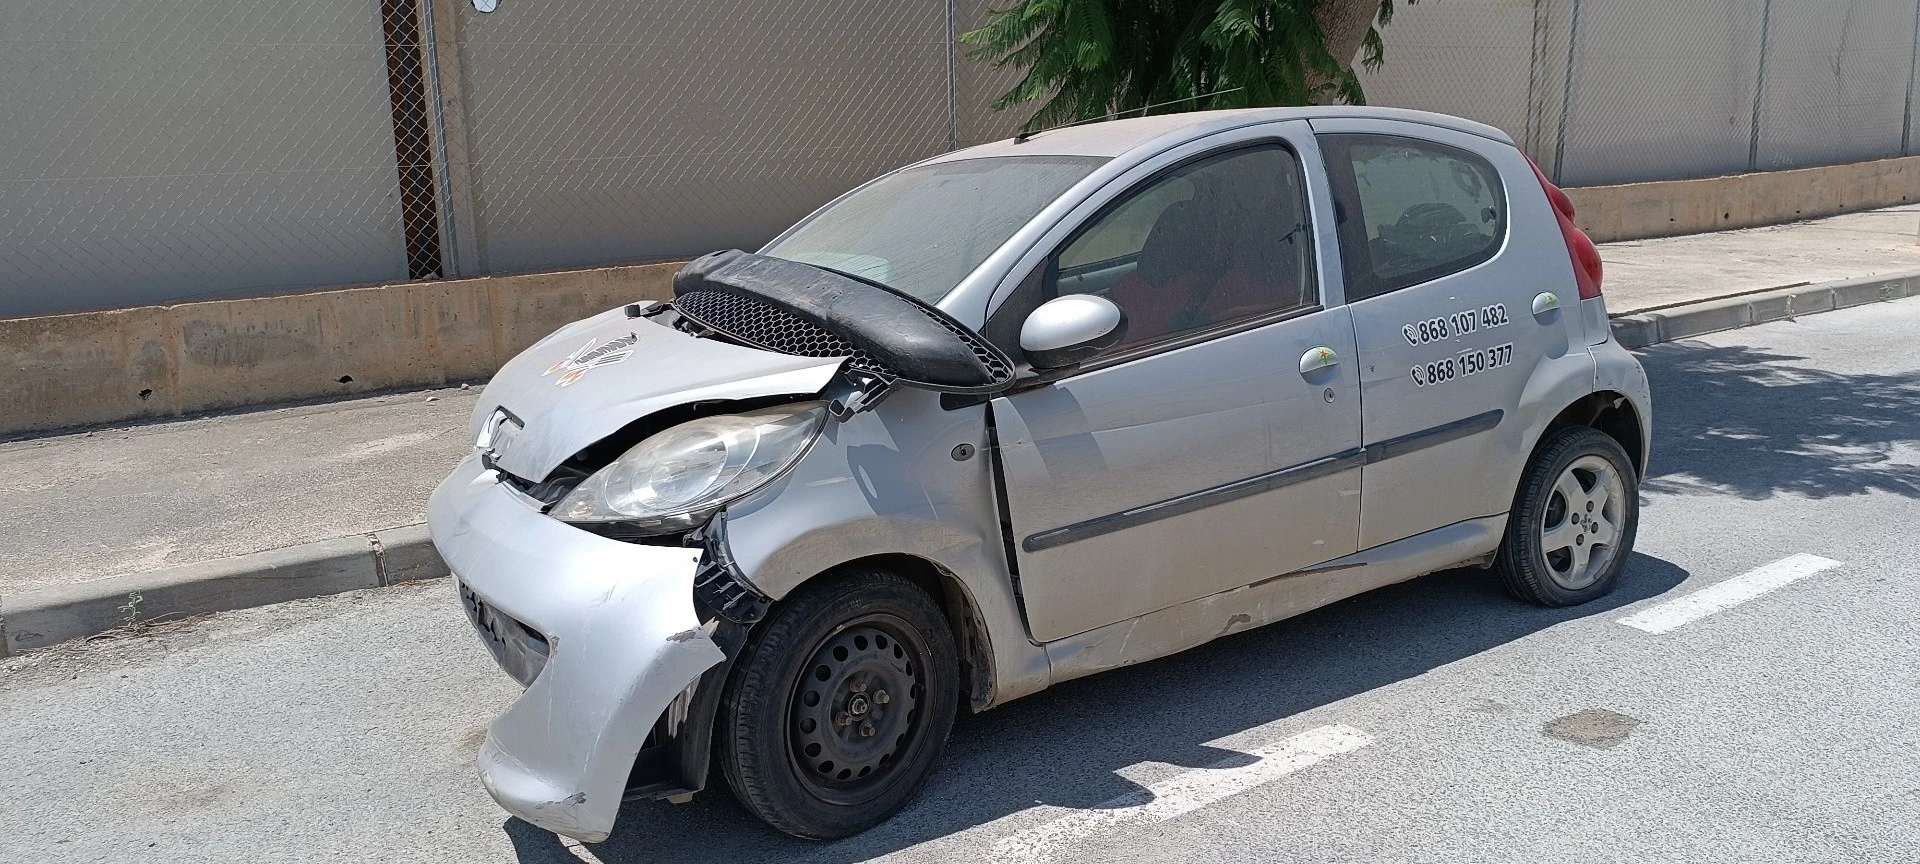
(249, 508)
(1644, 275)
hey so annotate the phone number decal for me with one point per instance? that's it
(1457, 324)
(1470, 362)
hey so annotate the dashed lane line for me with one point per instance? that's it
(1673, 614)
(1180, 794)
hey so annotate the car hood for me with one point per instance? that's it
(594, 376)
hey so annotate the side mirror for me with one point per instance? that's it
(1067, 331)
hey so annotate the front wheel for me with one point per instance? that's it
(1573, 520)
(839, 706)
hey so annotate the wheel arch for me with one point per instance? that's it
(1611, 412)
(966, 625)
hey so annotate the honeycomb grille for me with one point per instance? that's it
(995, 362)
(764, 325)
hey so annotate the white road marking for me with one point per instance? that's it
(1180, 794)
(1671, 615)
(579, 850)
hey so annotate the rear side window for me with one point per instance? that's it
(1411, 211)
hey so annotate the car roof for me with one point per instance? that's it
(1111, 138)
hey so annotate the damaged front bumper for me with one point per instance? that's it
(609, 637)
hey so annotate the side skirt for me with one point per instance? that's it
(1197, 622)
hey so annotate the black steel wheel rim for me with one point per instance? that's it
(854, 712)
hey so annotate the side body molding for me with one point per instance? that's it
(1371, 454)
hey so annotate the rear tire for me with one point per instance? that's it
(839, 706)
(1573, 520)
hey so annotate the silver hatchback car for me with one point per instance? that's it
(1022, 413)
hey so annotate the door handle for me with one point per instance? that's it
(1318, 358)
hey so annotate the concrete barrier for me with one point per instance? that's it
(1636, 211)
(162, 361)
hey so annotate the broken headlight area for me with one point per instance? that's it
(675, 479)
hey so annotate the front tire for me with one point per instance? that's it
(1573, 520)
(839, 705)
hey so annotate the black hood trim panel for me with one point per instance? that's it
(802, 310)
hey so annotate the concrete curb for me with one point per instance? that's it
(1654, 326)
(38, 618)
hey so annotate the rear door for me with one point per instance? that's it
(1452, 319)
(1219, 445)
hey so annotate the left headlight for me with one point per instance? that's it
(680, 475)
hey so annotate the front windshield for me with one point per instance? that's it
(922, 230)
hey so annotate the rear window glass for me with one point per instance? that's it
(1411, 211)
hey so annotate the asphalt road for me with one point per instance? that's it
(1429, 721)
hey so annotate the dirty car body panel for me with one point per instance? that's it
(556, 418)
(624, 637)
(1228, 466)
(1205, 454)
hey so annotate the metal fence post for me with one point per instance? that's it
(1759, 87)
(460, 221)
(1913, 63)
(1566, 96)
(1537, 84)
(449, 237)
(953, 80)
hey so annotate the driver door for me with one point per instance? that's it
(1219, 444)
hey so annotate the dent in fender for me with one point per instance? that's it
(888, 482)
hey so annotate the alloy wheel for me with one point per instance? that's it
(1579, 532)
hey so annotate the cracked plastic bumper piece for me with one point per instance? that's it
(623, 643)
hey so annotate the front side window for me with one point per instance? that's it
(1212, 242)
(1411, 211)
(922, 230)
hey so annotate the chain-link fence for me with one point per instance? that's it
(1616, 91)
(601, 131)
(194, 148)
(157, 152)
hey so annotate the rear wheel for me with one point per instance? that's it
(839, 707)
(1573, 520)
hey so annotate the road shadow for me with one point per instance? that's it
(1062, 746)
(1735, 420)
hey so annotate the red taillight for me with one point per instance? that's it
(1580, 248)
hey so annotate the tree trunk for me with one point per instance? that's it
(1343, 28)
